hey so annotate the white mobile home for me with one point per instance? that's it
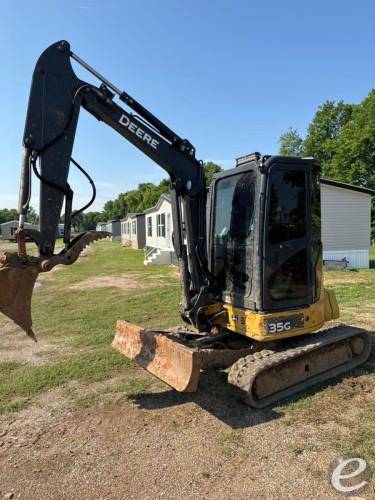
(159, 228)
(8, 229)
(101, 226)
(346, 215)
(133, 230)
(114, 227)
(60, 231)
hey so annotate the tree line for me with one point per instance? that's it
(136, 200)
(8, 214)
(144, 196)
(341, 137)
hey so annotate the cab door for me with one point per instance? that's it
(287, 238)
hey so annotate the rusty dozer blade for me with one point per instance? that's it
(174, 363)
(169, 357)
(18, 274)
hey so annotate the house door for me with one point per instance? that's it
(168, 230)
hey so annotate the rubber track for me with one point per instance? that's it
(243, 373)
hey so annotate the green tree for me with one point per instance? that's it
(8, 214)
(354, 161)
(291, 143)
(210, 168)
(32, 216)
(324, 131)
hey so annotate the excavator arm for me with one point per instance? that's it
(56, 97)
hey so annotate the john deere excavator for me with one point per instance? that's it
(249, 249)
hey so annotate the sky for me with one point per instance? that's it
(230, 76)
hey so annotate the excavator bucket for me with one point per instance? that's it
(17, 279)
(19, 273)
(161, 355)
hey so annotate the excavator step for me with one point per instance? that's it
(265, 377)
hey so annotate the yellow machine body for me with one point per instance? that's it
(254, 324)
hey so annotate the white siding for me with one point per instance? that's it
(164, 243)
(346, 224)
(358, 259)
(128, 236)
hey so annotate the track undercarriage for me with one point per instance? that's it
(261, 373)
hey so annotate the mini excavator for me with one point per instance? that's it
(248, 248)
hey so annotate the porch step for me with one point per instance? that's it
(158, 257)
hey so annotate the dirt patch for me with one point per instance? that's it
(175, 271)
(124, 282)
(159, 445)
(17, 346)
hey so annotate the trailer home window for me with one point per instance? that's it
(149, 226)
(161, 225)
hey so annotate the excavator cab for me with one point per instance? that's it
(264, 233)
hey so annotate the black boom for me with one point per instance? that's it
(56, 97)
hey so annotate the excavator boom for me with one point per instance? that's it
(56, 97)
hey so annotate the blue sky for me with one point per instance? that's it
(230, 76)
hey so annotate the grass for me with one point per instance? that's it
(124, 390)
(204, 474)
(230, 441)
(83, 322)
(7, 367)
(372, 257)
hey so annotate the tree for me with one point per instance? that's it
(324, 131)
(8, 214)
(354, 160)
(210, 168)
(32, 216)
(341, 137)
(291, 143)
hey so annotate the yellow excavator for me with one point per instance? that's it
(248, 248)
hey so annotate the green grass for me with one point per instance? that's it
(124, 390)
(352, 286)
(231, 442)
(30, 381)
(83, 323)
(7, 367)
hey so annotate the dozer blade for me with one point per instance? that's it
(161, 355)
(268, 376)
(17, 279)
(171, 356)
